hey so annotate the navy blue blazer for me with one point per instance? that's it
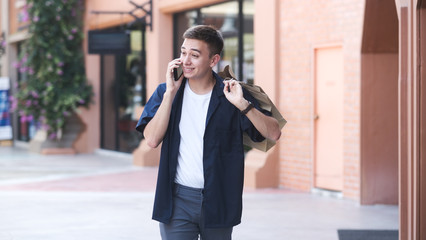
(223, 156)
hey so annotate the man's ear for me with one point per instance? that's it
(214, 60)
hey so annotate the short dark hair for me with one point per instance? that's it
(207, 33)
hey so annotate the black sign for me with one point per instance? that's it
(107, 42)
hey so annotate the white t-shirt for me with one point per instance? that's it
(192, 124)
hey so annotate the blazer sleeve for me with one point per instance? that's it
(151, 107)
(247, 125)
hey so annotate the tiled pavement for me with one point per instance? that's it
(103, 196)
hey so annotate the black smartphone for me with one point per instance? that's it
(177, 72)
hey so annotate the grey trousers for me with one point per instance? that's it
(187, 220)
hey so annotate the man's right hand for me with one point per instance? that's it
(156, 129)
(173, 85)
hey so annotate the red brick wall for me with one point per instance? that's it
(305, 25)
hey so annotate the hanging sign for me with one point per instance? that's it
(107, 42)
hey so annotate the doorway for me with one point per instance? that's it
(328, 118)
(122, 97)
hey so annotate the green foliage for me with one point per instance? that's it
(53, 62)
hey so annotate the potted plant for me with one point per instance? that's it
(53, 62)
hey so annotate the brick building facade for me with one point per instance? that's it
(305, 27)
(343, 74)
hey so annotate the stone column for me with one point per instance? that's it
(412, 125)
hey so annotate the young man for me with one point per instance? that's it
(200, 120)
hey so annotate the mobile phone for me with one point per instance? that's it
(177, 72)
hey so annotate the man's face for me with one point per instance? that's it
(196, 60)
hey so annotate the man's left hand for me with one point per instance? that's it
(234, 93)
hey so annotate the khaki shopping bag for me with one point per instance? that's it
(265, 103)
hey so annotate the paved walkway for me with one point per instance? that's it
(103, 196)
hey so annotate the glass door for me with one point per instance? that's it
(122, 95)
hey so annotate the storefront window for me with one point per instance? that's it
(235, 20)
(248, 41)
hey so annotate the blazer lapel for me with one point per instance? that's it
(217, 93)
